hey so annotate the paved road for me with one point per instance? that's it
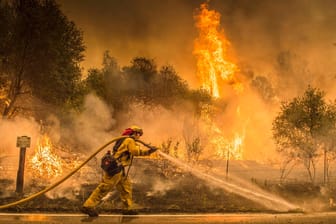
(311, 218)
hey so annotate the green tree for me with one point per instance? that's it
(108, 82)
(299, 128)
(141, 82)
(40, 56)
(115, 83)
(328, 137)
(95, 83)
(142, 68)
(139, 78)
(168, 87)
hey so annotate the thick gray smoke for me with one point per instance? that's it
(92, 126)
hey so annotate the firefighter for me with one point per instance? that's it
(124, 150)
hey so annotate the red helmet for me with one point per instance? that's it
(133, 130)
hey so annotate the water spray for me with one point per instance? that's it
(261, 197)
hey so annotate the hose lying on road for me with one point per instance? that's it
(61, 180)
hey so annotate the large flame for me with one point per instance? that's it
(45, 163)
(211, 50)
(214, 67)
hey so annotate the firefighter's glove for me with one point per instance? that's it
(152, 149)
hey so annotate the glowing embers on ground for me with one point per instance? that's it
(211, 51)
(45, 163)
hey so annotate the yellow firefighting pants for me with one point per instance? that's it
(119, 181)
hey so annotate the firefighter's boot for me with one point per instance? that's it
(89, 211)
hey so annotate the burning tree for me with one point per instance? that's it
(215, 69)
(211, 50)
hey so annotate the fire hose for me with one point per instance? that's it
(67, 176)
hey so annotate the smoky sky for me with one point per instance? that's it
(164, 30)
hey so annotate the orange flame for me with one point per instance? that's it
(223, 147)
(214, 68)
(229, 149)
(44, 162)
(210, 48)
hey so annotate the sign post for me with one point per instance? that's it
(22, 142)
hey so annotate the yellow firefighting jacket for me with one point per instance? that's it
(127, 150)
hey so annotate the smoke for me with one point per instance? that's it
(11, 129)
(54, 128)
(249, 115)
(9, 153)
(131, 28)
(92, 127)
(161, 187)
(258, 31)
(290, 43)
(70, 190)
(158, 123)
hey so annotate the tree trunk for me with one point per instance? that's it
(325, 171)
(12, 95)
(311, 170)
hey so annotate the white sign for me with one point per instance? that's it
(23, 142)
